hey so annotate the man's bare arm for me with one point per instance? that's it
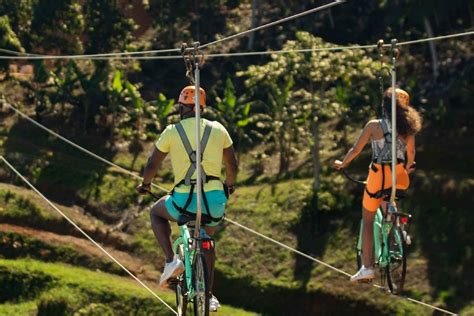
(151, 168)
(230, 162)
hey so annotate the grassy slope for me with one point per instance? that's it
(252, 207)
(261, 276)
(122, 294)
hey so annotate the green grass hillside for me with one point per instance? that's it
(59, 289)
(258, 275)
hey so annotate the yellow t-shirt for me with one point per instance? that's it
(170, 142)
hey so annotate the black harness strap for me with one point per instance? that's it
(379, 160)
(187, 179)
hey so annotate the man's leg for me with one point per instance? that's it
(210, 255)
(161, 227)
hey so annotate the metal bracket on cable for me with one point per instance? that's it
(192, 57)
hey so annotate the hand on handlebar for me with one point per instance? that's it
(230, 188)
(411, 168)
(143, 188)
(338, 165)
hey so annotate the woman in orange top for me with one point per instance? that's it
(379, 180)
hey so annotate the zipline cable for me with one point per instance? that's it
(90, 56)
(86, 235)
(122, 169)
(226, 219)
(287, 247)
(170, 50)
(327, 265)
(22, 56)
(261, 27)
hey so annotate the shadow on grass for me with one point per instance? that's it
(276, 300)
(443, 229)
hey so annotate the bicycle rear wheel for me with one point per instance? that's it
(201, 298)
(397, 261)
(181, 287)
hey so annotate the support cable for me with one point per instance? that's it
(119, 56)
(261, 27)
(86, 235)
(121, 169)
(226, 219)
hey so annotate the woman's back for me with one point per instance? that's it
(381, 143)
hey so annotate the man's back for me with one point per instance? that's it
(219, 139)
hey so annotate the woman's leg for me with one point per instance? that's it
(367, 237)
(160, 218)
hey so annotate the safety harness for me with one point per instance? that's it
(379, 160)
(192, 168)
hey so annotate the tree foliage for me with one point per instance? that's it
(305, 90)
(8, 38)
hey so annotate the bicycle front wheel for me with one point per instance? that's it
(201, 298)
(397, 261)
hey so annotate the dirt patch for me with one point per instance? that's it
(138, 267)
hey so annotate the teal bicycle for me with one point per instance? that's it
(191, 287)
(390, 243)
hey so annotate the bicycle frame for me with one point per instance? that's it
(191, 248)
(381, 230)
(189, 251)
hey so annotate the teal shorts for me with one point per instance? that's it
(216, 200)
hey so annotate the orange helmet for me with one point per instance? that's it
(403, 97)
(186, 97)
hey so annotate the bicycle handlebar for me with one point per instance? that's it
(156, 197)
(363, 182)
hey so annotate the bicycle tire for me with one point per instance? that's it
(181, 287)
(200, 284)
(397, 261)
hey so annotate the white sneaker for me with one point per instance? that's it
(364, 274)
(214, 304)
(172, 270)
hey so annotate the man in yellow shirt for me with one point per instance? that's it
(178, 140)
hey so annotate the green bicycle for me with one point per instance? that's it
(390, 243)
(191, 287)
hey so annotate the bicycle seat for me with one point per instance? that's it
(185, 219)
(399, 194)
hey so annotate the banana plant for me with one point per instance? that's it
(234, 113)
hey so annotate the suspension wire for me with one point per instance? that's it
(436, 38)
(121, 169)
(226, 219)
(120, 56)
(91, 56)
(261, 27)
(86, 235)
(326, 264)
(16, 53)
(287, 247)
(128, 55)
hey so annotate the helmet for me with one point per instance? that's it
(186, 97)
(403, 97)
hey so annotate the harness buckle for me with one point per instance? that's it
(192, 156)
